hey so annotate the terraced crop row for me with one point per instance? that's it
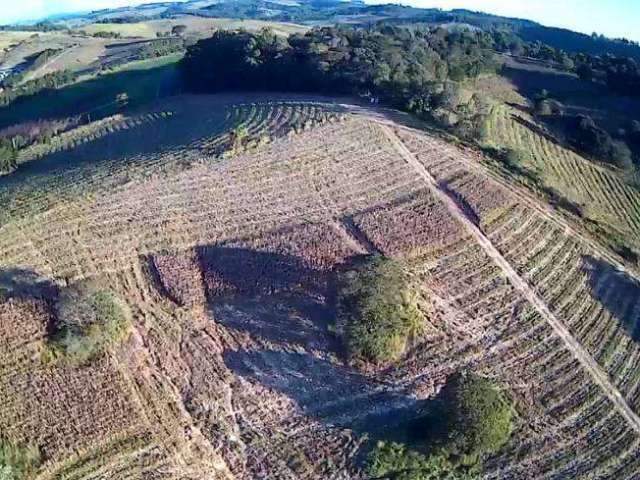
(326, 174)
(88, 133)
(596, 301)
(559, 268)
(605, 196)
(569, 428)
(127, 156)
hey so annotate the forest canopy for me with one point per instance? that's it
(408, 68)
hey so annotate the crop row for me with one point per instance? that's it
(330, 173)
(601, 191)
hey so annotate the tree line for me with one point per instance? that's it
(415, 69)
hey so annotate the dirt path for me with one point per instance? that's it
(599, 376)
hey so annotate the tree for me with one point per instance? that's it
(89, 320)
(477, 417)
(8, 157)
(399, 462)
(470, 420)
(18, 461)
(122, 100)
(585, 72)
(178, 30)
(378, 307)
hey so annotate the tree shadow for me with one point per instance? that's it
(333, 393)
(618, 293)
(289, 319)
(248, 272)
(24, 283)
(287, 308)
(465, 207)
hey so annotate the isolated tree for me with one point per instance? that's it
(122, 100)
(585, 72)
(378, 306)
(477, 417)
(179, 30)
(8, 157)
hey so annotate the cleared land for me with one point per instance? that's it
(228, 264)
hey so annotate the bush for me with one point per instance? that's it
(8, 157)
(378, 303)
(477, 418)
(88, 322)
(596, 142)
(18, 461)
(470, 419)
(397, 461)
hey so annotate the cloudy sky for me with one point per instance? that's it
(614, 18)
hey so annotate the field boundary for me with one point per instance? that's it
(580, 353)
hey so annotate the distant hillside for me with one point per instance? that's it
(353, 12)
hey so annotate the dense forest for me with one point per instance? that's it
(411, 69)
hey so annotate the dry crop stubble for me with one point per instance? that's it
(190, 251)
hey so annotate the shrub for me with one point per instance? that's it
(8, 157)
(470, 419)
(17, 461)
(477, 418)
(397, 461)
(378, 303)
(88, 321)
(596, 142)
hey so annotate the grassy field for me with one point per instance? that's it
(196, 26)
(142, 81)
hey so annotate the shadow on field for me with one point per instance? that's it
(618, 293)
(244, 271)
(610, 110)
(330, 392)
(25, 283)
(287, 308)
(297, 320)
(95, 97)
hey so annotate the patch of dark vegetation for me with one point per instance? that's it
(617, 292)
(468, 421)
(18, 461)
(244, 271)
(587, 137)
(89, 320)
(378, 309)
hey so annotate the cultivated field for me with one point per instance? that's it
(603, 194)
(228, 263)
(197, 27)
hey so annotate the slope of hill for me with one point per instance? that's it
(228, 265)
(172, 266)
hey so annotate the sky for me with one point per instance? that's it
(613, 18)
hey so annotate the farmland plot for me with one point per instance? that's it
(233, 368)
(603, 194)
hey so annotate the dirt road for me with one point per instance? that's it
(599, 376)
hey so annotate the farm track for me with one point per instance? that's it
(580, 353)
(524, 197)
